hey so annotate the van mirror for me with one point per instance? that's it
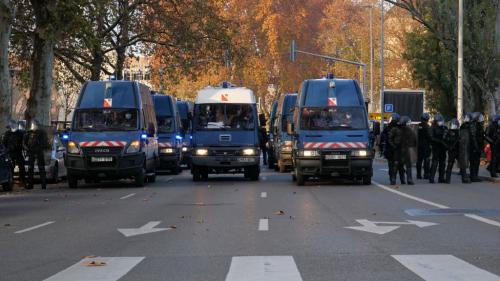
(290, 129)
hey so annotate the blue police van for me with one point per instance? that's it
(185, 113)
(169, 132)
(113, 134)
(225, 133)
(283, 141)
(271, 160)
(330, 131)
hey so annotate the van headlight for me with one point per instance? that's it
(309, 153)
(249, 151)
(167, 150)
(73, 148)
(360, 153)
(201, 152)
(134, 147)
(184, 149)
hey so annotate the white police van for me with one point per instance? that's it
(225, 133)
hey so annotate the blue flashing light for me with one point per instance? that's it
(330, 76)
(144, 136)
(178, 137)
(112, 77)
(190, 137)
(225, 84)
(65, 137)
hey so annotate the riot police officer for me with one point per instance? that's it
(452, 139)
(492, 136)
(13, 141)
(386, 147)
(403, 139)
(477, 144)
(424, 146)
(36, 143)
(438, 145)
(465, 147)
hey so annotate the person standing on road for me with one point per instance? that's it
(13, 141)
(452, 139)
(387, 149)
(438, 144)
(477, 144)
(465, 147)
(36, 143)
(403, 139)
(424, 147)
(263, 137)
(492, 136)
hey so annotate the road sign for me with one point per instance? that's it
(374, 227)
(389, 108)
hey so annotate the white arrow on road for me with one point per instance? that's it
(145, 229)
(373, 227)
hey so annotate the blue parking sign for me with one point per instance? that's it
(389, 108)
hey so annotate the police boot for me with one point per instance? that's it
(402, 176)
(432, 173)
(465, 176)
(448, 175)
(409, 178)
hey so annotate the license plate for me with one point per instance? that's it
(336, 157)
(101, 159)
(245, 159)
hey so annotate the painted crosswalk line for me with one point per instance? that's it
(263, 268)
(263, 224)
(102, 269)
(444, 268)
(34, 227)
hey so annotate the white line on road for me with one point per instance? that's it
(113, 269)
(263, 194)
(263, 268)
(263, 224)
(444, 268)
(34, 227)
(471, 216)
(127, 196)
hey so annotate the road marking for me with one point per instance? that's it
(113, 269)
(127, 196)
(472, 216)
(263, 268)
(263, 194)
(264, 178)
(145, 229)
(34, 227)
(444, 268)
(263, 224)
(373, 227)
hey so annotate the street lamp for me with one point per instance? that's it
(460, 86)
(371, 56)
(382, 64)
(12, 72)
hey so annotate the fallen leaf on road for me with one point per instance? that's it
(7, 224)
(89, 257)
(181, 217)
(173, 226)
(145, 199)
(279, 213)
(200, 221)
(95, 263)
(46, 199)
(295, 192)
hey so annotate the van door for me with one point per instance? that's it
(150, 145)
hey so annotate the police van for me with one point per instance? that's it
(283, 141)
(331, 133)
(185, 112)
(225, 133)
(113, 134)
(271, 160)
(169, 132)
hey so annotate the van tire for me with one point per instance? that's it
(196, 173)
(252, 173)
(152, 178)
(9, 185)
(140, 178)
(72, 181)
(367, 180)
(300, 178)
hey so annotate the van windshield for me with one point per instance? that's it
(106, 120)
(225, 116)
(165, 124)
(333, 118)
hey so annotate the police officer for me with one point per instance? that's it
(13, 141)
(403, 139)
(465, 147)
(492, 136)
(424, 146)
(438, 145)
(452, 139)
(477, 144)
(36, 143)
(387, 149)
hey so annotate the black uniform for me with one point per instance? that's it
(464, 149)
(388, 151)
(452, 139)
(438, 152)
(492, 136)
(477, 144)
(36, 143)
(402, 138)
(13, 141)
(424, 150)
(263, 139)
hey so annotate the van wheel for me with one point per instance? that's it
(367, 180)
(196, 173)
(152, 178)
(9, 185)
(300, 178)
(270, 162)
(72, 181)
(55, 174)
(281, 166)
(252, 173)
(140, 178)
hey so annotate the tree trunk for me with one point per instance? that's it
(6, 17)
(123, 40)
(97, 61)
(497, 55)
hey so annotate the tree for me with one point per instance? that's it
(6, 19)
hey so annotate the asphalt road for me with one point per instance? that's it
(231, 229)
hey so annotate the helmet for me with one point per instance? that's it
(35, 124)
(480, 118)
(439, 119)
(425, 117)
(454, 124)
(21, 125)
(394, 118)
(495, 117)
(477, 117)
(467, 118)
(404, 121)
(12, 125)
